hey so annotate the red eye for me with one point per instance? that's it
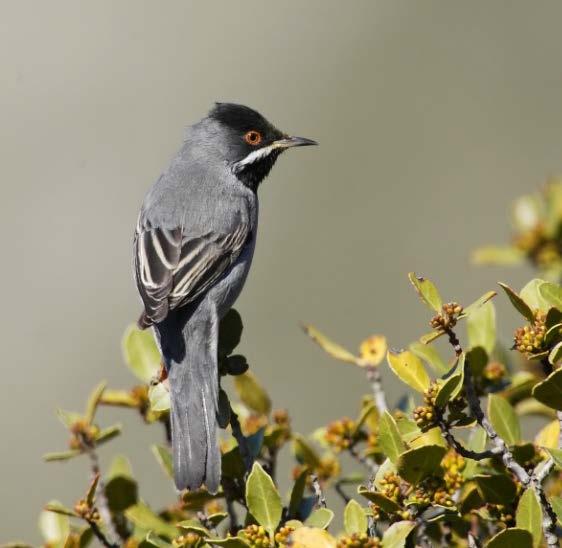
(253, 137)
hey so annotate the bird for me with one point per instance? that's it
(192, 250)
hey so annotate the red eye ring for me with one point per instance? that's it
(253, 137)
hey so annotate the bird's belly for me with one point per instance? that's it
(227, 290)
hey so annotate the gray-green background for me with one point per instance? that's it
(431, 115)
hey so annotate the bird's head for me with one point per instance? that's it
(251, 144)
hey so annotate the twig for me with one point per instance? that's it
(320, 498)
(100, 536)
(369, 463)
(457, 445)
(109, 540)
(374, 377)
(476, 410)
(526, 480)
(339, 490)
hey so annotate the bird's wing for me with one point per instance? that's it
(173, 269)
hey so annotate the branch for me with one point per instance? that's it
(457, 445)
(374, 377)
(103, 506)
(476, 410)
(320, 498)
(339, 490)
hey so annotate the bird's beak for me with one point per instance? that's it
(288, 142)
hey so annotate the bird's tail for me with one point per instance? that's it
(193, 414)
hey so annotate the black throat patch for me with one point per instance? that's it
(253, 174)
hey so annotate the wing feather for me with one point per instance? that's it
(172, 269)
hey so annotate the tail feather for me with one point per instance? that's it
(194, 405)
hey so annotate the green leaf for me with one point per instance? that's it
(495, 489)
(61, 455)
(481, 327)
(304, 452)
(388, 505)
(68, 418)
(556, 503)
(59, 508)
(427, 291)
(91, 493)
(478, 303)
(297, 493)
(193, 526)
(252, 393)
(93, 401)
(154, 540)
(320, 518)
(520, 305)
(159, 398)
(121, 489)
(453, 385)
(217, 518)
(395, 536)
(556, 455)
(529, 515)
(510, 538)
(477, 443)
(230, 542)
(409, 369)
(531, 295)
(230, 332)
(430, 337)
(141, 353)
(142, 516)
(416, 464)
(108, 434)
(331, 348)
(164, 458)
(497, 255)
(263, 500)
(389, 438)
(54, 527)
(551, 294)
(430, 356)
(504, 419)
(555, 354)
(354, 518)
(549, 391)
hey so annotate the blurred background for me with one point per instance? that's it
(432, 116)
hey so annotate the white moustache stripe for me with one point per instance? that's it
(257, 155)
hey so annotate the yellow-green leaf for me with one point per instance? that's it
(252, 393)
(481, 327)
(531, 295)
(427, 291)
(495, 489)
(529, 515)
(504, 419)
(388, 505)
(164, 458)
(263, 500)
(389, 437)
(552, 294)
(548, 435)
(308, 537)
(94, 401)
(330, 347)
(511, 538)
(430, 356)
(354, 518)
(396, 535)
(497, 255)
(478, 303)
(159, 398)
(142, 516)
(409, 369)
(320, 518)
(416, 464)
(520, 305)
(549, 391)
(54, 527)
(141, 353)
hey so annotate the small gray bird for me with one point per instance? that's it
(193, 247)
